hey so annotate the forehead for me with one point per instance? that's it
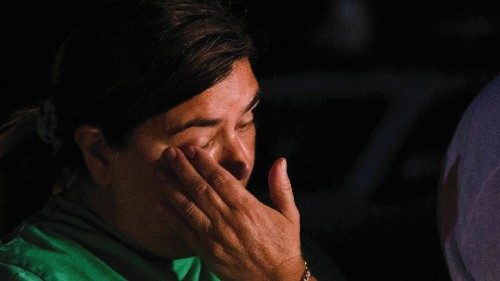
(229, 96)
(225, 101)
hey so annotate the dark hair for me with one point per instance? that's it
(126, 62)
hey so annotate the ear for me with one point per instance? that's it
(96, 153)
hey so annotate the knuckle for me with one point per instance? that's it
(218, 226)
(199, 186)
(215, 249)
(244, 202)
(207, 228)
(216, 177)
(296, 214)
(189, 208)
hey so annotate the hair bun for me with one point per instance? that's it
(47, 124)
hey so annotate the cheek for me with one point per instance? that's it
(251, 138)
(134, 174)
(138, 167)
(248, 143)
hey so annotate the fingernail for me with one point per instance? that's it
(170, 154)
(190, 152)
(284, 165)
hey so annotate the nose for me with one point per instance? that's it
(234, 159)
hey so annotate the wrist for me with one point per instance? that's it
(292, 269)
(307, 273)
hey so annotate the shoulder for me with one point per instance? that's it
(11, 272)
(470, 194)
(473, 152)
(480, 123)
(32, 254)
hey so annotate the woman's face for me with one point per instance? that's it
(220, 120)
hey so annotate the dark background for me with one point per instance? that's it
(361, 96)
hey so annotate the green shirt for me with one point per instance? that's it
(67, 242)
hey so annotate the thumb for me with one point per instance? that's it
(281, 190)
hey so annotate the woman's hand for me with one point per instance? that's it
(236, 235)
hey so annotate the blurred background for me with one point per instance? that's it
(361, 96)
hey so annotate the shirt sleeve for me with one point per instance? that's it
(480, 239)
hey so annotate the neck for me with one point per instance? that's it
(141, 229)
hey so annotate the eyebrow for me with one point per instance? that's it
(203, 122)
(255, 101)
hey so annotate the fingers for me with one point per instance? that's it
(280, 189)
(195, 186)
(188, 213)
(232, 192)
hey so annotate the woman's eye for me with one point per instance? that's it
(246, 125)
(248, 120)
(207, 145)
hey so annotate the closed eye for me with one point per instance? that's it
(246, 126)
(208, 144)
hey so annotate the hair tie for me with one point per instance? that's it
(47, 124)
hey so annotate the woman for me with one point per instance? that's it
(148, 144)
(469, 210)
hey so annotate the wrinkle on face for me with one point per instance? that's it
(136, 188)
